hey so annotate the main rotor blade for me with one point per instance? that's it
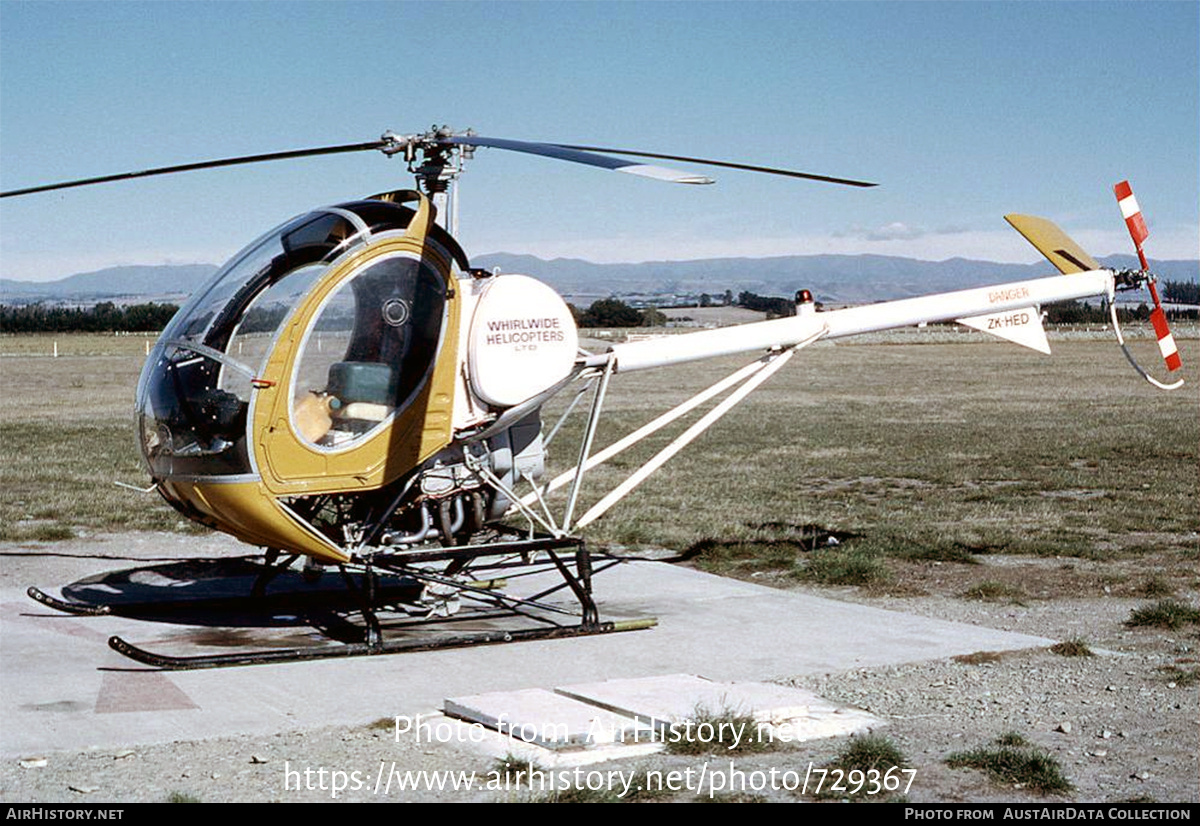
(747, 167)
(578, 155)
(188, 167)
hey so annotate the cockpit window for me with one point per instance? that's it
(314, 238)
(194, 391)
(251, 341)
(369, 351)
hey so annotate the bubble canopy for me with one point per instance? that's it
(370, 347)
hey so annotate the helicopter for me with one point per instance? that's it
(349, 390)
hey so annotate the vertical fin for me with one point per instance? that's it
(1058, 247)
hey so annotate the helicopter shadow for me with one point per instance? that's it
(221, 593)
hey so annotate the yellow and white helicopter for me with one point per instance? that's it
(349, 389)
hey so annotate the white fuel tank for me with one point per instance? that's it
(522, 341)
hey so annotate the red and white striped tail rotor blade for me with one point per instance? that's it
(1132, 213)
(1166, 342)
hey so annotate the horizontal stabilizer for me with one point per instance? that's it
(1067, 256)
(1022, 326)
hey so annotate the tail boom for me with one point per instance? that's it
(787, 332)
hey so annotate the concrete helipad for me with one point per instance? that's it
(61, 687)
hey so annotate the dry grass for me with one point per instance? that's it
(852, 566)
(1072, 648)
(714, 316)
(1157, 586)
(66, 436)
(1018, 766)
(1166, 613)
(932, 454)
(862, 754)
(724, 731)
(75, 344)
(935, 450)
(979, 658)
(1180, 676)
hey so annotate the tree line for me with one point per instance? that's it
(1181, 292)
(613, 312)
(104, 317)
(1074, 312)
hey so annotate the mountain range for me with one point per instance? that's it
(832, 278)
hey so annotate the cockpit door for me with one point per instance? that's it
(359, 386)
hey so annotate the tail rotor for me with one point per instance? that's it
(1132, 213)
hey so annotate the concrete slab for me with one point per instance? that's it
(621, 718)
(544, 718)
(669, 702)
(485, 741)
(61, 687)
(675, 697)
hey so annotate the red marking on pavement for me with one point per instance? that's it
(50, 620)
(122, 691)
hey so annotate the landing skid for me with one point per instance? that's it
(81, 609)
(416, 591)
(364, 649)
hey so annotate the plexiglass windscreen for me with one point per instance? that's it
(194, 391)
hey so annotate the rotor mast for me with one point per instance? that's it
(436, 163)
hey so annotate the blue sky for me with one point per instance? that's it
(962, 112)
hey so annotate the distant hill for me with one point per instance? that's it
(832, 278)
(148, 283)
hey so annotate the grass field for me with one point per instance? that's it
(925, 452)
(987, 447)
(714, 316)
(66, 435)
